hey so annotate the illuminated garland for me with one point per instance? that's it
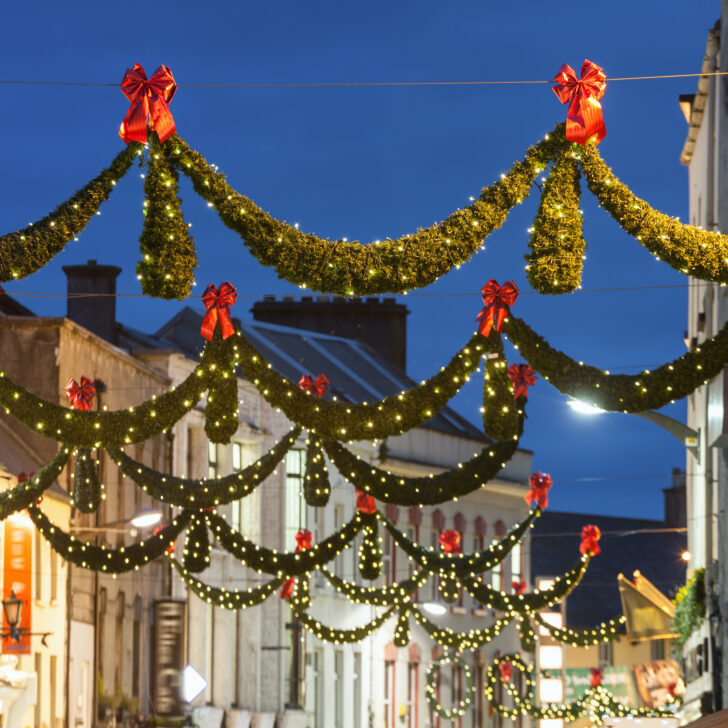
(197, 548)
(25, 251)
(685, 248)
(621, 392)
(604, 632)
(386, 596)
(100, 558)
(223, 597)
(596, 704)
(209, 492)
(502, 416)
(342, 636)
(461, 564)
(372, 421)
(316, 485)
(460, 641)
(27, 492)
(371, 558)
(87, 490)
(557, 241)
(113, 428)
(459, 709)
(167, 266)
(294, 563)
(347, 268)
(526, 634)
(221, 408)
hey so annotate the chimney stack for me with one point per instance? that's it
(675, 501)
(380, 323)
(94, 312)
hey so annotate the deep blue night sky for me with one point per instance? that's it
(367, 163)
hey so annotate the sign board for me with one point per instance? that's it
(617, 679)
(17, 577)
(168, 656)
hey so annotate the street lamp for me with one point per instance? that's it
(13, 609)
(146, 517)
(435, 608)
(143, 518)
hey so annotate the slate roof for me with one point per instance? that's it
(355, 371)
(555, 549)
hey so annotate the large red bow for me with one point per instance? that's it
(589, 537)
(584, 120)
(365, 503)
(522, 377)
(304, 539)
(149, 99)
(595, 677)
(81, 395)
(450, 542)
(497, 299)
(506, 670)
(217, 305)
(539, 485)
(318, 388)
(519, 587)
(287, 588)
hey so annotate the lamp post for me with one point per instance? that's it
(13, 609)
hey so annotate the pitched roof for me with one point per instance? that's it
(627, 544)
(357, 374)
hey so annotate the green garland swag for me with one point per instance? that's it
(526, 634)
(87, 490)
(459, 709)
(557, 241)
(528, 603)
(429, 489)
(449, 638)
(402, 631)
(621, 392)
(596, 704)
(386, 596)
(350, 268)
(293, 563)
(461, 564)
(197, 548)
(100, 558)
(316, 484)
(221, 408)
(167, 267)
(209, 492)
(342, 636)
(224, 597)
(370, 421)
(29, 491)
(371, 557)
(685, 248)
(25, 251)
(604, 632)
(91, 428)
(502, 414)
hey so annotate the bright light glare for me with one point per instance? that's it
(583, 408)
(436, 608)
(146, 517)
(686, 556)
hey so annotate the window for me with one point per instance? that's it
(516, 567)
(295, 504)
(497, 575)
(339, 689)
(243, 455)
(412, 689)
(605, 653)
(318, 688)
(357, 689)
(212, 460)
(657, 648)
(389, 693)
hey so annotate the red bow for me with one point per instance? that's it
(450, 542)
(506, 670)
(596, 677)
(24, 477)
(589, 537)
(304, 539)
(82, 394)
(217, 304)
(287, 588)
(148, 98)
(522, 377)
(317, 388)
(497, 299)
(365, 503)
(519, 587)
(539, 485)
(671, 689)
(584, 120)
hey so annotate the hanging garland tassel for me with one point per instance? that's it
(87, 491)
(557, 241)
(370, 552)
(402, 630)
(196, 553)
(431, 682)
(221, 410)
(449, 587)
(316, 485)
(166, 269)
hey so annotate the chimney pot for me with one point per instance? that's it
(91, 298)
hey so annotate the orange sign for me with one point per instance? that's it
(17, 577)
